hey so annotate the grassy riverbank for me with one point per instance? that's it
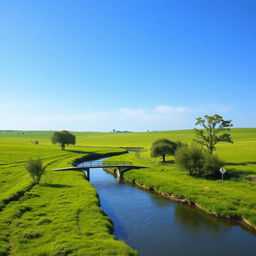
(235, 198)
(60, 215)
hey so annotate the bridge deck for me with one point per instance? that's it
(79, 168)
(101, 164)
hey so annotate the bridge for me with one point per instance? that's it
(120, 167)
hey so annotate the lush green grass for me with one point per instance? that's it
(60, 215)
(240, 156)
(235, 197)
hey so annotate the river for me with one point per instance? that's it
(159, 227)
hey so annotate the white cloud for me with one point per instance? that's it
(130, 112)
(171, 109)
(212, 108)
(161, 117)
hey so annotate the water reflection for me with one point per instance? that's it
(196, 220)
(158, 201)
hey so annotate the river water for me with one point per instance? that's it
(159, 227)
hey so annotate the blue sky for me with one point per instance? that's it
(129, 65)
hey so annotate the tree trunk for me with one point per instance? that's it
(63, 146)
(163, 158)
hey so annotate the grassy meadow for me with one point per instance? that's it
(61, 215)
(234, 198)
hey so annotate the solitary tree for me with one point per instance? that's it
(35, 169)
(163, 147)
(215, 130)
(63, 138)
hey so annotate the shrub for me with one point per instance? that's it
(189, 159)
(35, 169)
(212, 164)
(36, 142)
(197, 161)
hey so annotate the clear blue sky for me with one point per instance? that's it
(129, 65)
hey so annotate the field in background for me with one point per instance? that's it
(241, 155)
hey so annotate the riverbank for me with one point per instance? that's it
(61, 215)
(180, 199)
(233, 200)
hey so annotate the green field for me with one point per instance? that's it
(61, 215)
(235, 198)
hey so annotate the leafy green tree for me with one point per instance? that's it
(163, 147)
(215, 130)
(189, 159)
(197, 161)
(63, 138)
(35, 169)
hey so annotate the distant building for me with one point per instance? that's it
(114, 131)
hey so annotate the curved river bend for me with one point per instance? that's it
(158, 227)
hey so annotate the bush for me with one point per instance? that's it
(212, 164)
(35, 169)
(197, 161)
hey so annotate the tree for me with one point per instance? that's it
(197, 161)
(163, 147)
(35, 169)
(63, 138)
(189, 159)
(214, 126)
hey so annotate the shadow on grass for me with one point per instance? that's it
(168, 162)
(230, 174)
(78, 151)
(239, 172)
(240, 164)
(56, 185)
(234, 173)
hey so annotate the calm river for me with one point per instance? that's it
(158, 227)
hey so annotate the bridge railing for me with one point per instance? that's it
(109, 163)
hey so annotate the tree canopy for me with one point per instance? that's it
(63, 138)
(215, 130)
(163, 147)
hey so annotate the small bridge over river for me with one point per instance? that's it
(119, 167)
